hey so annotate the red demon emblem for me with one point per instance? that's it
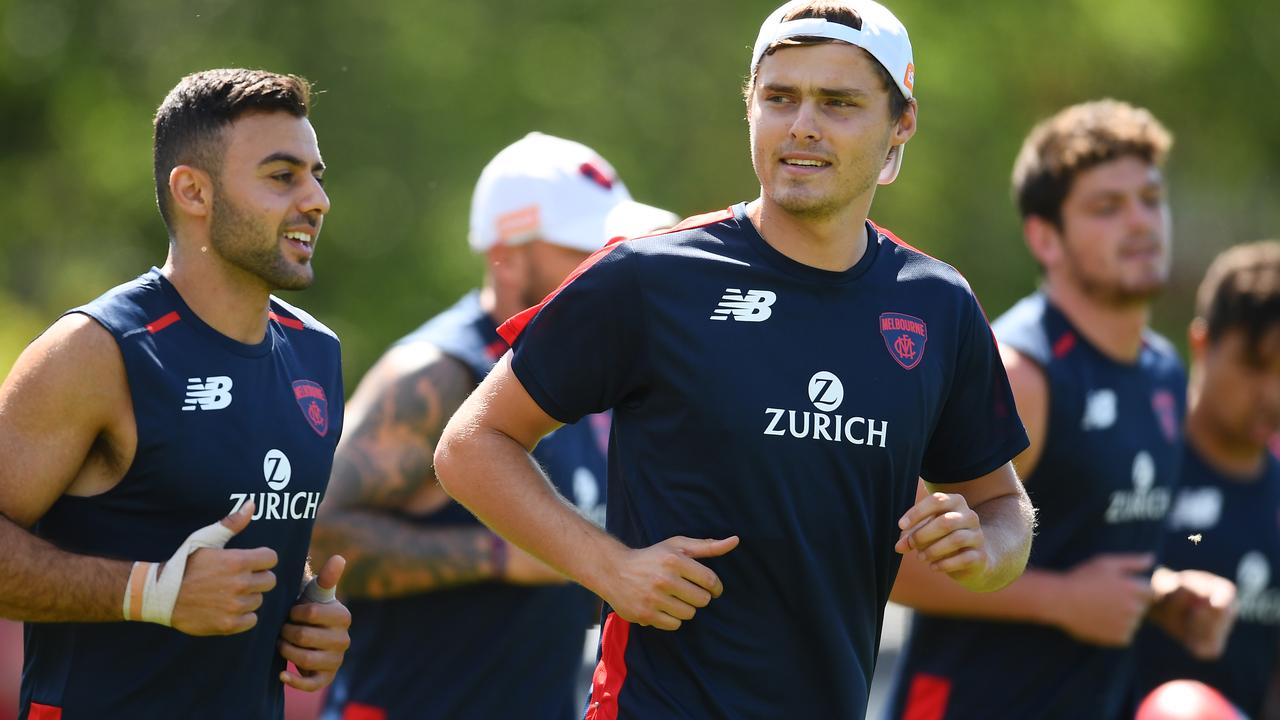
(314, 405)
(905, 337)
(1166, 412)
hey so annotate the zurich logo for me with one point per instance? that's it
(826, 392)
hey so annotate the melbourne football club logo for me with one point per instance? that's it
(905, 337)
(315, 408)
(1166, 408)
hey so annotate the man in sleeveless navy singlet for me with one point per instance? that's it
(1226, 513)
(453, 621)
(1101, 397)
(186, 409)
(780, 374)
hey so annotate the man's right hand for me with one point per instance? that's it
(663, 585)
(222, 589)
(1104, 598)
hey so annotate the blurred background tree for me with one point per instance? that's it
(417, 96)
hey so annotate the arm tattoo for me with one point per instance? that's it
(382, 464)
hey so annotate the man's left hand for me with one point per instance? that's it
(315, 639)
(946, 534)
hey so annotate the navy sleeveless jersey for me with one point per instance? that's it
(792, 406)
(1238, 522)
(218, 422)
(1103, 484)
(486, 650)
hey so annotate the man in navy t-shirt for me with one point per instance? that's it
(1101, 397)
(1225, 516)
(183, 412)
(454, 622)
(781, 373)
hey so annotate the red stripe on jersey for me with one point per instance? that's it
(889, 234)
(286, 321)
(1063, 344)
(360, 711)
(43, 712)
(927, 698)
(607, 680)
(163, 322)
(494, 350)
(511, 329)
(703, 219)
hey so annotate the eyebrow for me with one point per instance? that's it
(290, 159)
(824, 92)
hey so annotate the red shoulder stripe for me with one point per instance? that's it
(286, 321)
(163, 322)
(889, 234)
(511, 329)
(38, 711)
(704, 219)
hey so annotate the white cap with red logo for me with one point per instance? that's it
(559, 191)
(882, 35)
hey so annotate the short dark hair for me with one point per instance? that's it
(189, 123)
(835, 12)
(1076, 139)
(1241, 291)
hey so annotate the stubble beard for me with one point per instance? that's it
(236, 236)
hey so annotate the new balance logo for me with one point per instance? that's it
(753, 306)
(211, 393)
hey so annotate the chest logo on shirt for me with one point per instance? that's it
(276, 505)
(314, 406)
(1145, 503)
(826, 392)
(1166, 412)
(211, 393)
(1196, 509)
(751, 306)
(1258, 602)
(905, 337)
(1099, 410)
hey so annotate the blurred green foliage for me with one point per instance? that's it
(417, 96)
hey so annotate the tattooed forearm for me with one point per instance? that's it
(390, 557)
(382, 470)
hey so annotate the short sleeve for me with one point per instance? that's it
(580, 351)
(979, 429)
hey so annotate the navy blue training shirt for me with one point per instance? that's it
(485, 650)
(792, 406)
(1103, 484)
(1238, 524)
(218, 422)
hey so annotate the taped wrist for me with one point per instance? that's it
(316, 594)
(151, 593)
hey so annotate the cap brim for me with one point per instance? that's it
(632, 219)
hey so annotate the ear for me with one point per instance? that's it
(1044, 240)
(1197, 339)
(191, 191)
(906, 126)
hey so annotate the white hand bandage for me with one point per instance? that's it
(316, 594)
(151, 594)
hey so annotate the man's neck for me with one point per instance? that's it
(1239, 461)
(226, 298)
(1115, 330)
(836, 242)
